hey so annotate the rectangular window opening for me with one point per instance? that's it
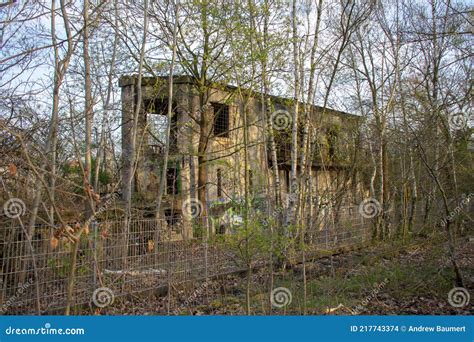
(172, 218)
(287, 178)
(221, 120)
(156, 116)
(172, 181)
(332, 142)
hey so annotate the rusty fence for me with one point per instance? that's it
(143, 255)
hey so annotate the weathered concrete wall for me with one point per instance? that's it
(223, 153)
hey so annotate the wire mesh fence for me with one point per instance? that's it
(137, 256)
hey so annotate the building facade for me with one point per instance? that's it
(228, 110)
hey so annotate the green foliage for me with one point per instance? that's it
(249, 239)
(62, 266)
(73, 171)
(198, 229)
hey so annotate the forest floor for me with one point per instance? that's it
(412, 278)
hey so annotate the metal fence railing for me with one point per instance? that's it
(153, 254)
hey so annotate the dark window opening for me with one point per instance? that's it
(172, 218)
(301, 135)
(221, 120)
(283, 146)
(287, 178)
(318, 149)
(219, 183)
(332, 142)
(156, 106)
(220, 230)
(172, 181)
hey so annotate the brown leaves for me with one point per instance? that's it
(104, 233)
(54, 243)
(12, 169)
(78, 228)
(104, 230)
(96, 198)
(150, 246)
(68, 234)
(65, 233)
(92, 194)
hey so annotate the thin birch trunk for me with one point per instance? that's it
(169, 115)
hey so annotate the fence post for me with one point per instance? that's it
(94, 227)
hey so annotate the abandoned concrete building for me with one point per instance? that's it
(225, 161)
